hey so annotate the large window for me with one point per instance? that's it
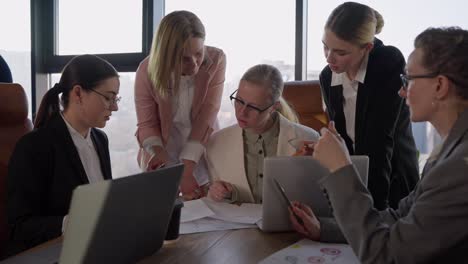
(249, 32)
(404, 20)
(99, 27)
(116, 31)
(15, 43)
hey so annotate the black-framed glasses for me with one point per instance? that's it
(240, 103)
(405, 78)
(109, 100)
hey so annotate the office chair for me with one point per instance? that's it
(305, 98)
(14, 123)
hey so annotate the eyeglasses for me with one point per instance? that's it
(406, 78)
(240, 103)
(109, 101)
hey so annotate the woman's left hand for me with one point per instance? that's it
(330, 150)
(188, 185)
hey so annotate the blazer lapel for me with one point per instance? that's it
(62, 135)
(362, 103)
(337, 100)
(103, 155)
(286, 133)
(459, 129)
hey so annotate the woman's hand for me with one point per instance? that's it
(220, 190)
(331, 149)
(310, 226)
(159, 159)
(307, 148)
(188, 185)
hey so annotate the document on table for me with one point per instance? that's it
(308, 251)
(205, 215)
(246, 213)
(193, 210)
(210, 224)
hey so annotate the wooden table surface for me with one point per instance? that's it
(242, 246)
(229, 246)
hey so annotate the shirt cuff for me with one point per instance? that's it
(192, 151)
(150, 142)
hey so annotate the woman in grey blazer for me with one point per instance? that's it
(429, 225)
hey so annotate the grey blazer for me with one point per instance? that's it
(430, 224)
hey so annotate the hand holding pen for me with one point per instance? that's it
(310, 226)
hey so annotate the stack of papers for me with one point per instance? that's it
(205, 215)
(308, 251)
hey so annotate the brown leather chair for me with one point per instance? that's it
(305, 98)
(14, 123)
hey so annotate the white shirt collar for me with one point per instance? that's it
(76, 134)
(338, 78)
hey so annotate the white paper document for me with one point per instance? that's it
(308, 251)
(193, 210)
(205, 215)
(246, 213)
(210, 224)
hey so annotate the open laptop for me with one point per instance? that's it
(115, 221)
(299, 177)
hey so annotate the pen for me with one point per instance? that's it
(288, 202)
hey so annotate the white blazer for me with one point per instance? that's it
(225, 153)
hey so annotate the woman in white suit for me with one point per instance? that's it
(265, 125)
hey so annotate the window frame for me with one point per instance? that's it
(45, 61)
(44, 37)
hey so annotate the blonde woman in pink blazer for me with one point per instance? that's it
(178, 90)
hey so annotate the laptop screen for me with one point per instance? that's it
(121, 220)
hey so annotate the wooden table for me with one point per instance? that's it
(230, 246)
(241, 246)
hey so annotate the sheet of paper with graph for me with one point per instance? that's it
(311, 252)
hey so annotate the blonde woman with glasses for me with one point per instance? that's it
(178, 91)
(265, 125)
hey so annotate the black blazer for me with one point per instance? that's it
(382, 126)
(43, 170)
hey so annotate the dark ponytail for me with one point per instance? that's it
(88, 71)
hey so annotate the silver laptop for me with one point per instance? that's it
(298, 176)
(120, 221)
(115, 221)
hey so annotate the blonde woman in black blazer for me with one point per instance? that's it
(47, 165)
(382, 129)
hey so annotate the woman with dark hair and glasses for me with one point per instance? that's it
(265, 125)
(429, 225)
(64, 150)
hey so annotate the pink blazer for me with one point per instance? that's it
(154, 114)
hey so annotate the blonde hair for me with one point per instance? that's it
(270, 77)
(165, 59)
(355, 23)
